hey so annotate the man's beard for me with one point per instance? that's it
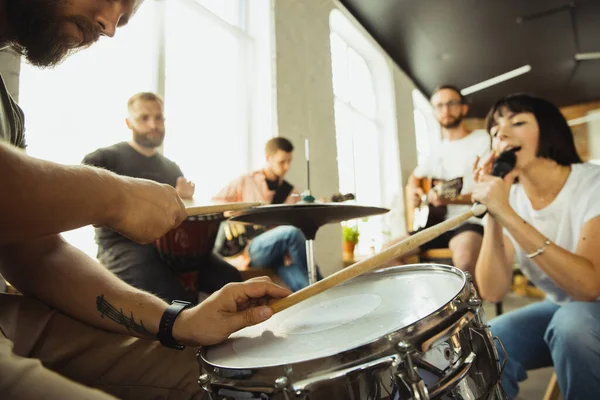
(454, 123)
(144, 140)
(37, 30)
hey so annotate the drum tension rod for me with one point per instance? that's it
(412, 385)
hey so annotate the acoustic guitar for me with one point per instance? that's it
(426, 215)
(234, 236)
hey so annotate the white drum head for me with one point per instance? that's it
(340, 319)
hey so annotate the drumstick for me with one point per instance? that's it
(194, 209)
(377, 260)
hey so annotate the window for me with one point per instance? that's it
(206, 96)
(362, 90)
(427, 128)
(199, 54)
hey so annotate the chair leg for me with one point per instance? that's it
(553, 390)
(499, 308)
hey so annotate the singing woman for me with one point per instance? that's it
(544, 215)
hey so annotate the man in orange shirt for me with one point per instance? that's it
(284, 247)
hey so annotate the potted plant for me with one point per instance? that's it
(350, 236)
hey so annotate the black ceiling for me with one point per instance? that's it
(463, 42)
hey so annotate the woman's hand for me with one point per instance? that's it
(492, 191)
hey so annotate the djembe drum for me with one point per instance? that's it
(184, 248)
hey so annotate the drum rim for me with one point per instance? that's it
(382, 347)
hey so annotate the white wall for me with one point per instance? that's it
(305, 109)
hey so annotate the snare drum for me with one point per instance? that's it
(409, 332)
(184, 247)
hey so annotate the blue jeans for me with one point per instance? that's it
(545, 334)
(269, 249)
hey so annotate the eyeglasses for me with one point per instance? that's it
(452, 104)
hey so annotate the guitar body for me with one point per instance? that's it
(237, 237)
(427, 215)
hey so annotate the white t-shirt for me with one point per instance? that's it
(451, 159)
(561, 221)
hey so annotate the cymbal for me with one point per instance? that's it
(194, 208)
(308, 217)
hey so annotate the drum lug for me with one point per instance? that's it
(475, 304)
(410, 385)
(282, 383)
(471, 285)
(203, 381)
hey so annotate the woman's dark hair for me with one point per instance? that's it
(555, 139)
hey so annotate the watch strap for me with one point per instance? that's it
(165, 327)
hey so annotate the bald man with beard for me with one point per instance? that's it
(78, 331)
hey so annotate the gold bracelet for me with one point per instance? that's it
(539, 251)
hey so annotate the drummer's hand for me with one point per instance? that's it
(146, 210)
(235, 306)
(185, 188)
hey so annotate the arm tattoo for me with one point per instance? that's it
(108, 311)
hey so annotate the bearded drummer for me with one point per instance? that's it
(74, 315)
(282, 248)
(141, 265)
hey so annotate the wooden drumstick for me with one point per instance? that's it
(377, 260)
(195, 209)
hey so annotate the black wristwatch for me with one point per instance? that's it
(165, 328)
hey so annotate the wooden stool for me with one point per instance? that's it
(442, 256)
(553, 390)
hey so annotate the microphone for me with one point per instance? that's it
(505, 163)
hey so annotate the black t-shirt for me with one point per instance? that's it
(272, 185)
(12, 128)
(123, 159)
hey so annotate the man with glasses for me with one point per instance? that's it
(453, 157)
